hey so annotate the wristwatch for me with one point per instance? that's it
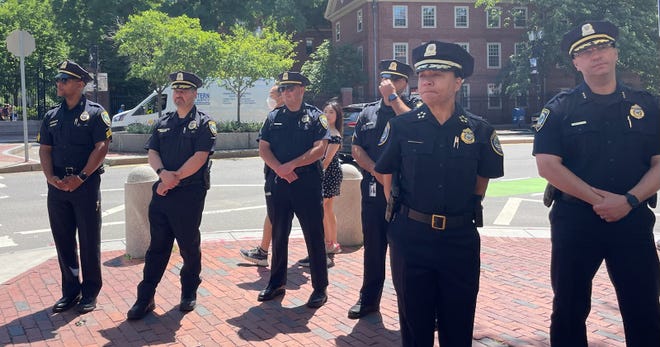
(632, 200)
(82, 176)
(159, 170)
(392, 97)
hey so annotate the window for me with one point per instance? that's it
(464, 45)
(400, 16)
(360, 53)
(309, 45)
(494, 53)
(518, 48)
(493, 17)
(428, 16)
(464, 95)
(337, 31)
(494, 98)
(401, 52)
(519, 17)
(359, 21)
(461, 16)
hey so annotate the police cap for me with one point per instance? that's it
(394, 69)
(438, 55)
(292, 77)
(185, 80)
(69, 69)
(587, 34)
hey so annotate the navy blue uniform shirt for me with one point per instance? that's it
(177, 139)
(438, 164)
(605, 140)
(371, 123)
(73, 133)
(291, 134)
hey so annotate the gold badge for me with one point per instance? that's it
(179, 76)
(467, 136)
(636, 111)
(324, 121)
(385, 135)
(285, 76)
(192, 125)
(213, 128)
(392, 66)
(495, 143)
(106, 118)
(542, 118)
(587, 29)
(84, 116)
(430, 50)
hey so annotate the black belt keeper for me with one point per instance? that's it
(438, 221)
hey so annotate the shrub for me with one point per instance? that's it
(137, 128)
(236, 127)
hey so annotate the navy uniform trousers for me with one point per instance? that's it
(581, 240)
(374, 231)
(302, 197)
(81, 208)
(177, 215)
(435, 275)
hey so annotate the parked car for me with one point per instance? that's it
(351, 113)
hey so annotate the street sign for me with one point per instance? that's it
(20, 43)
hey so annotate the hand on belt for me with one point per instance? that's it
(438, 221)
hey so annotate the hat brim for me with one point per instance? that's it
(593, 41)
(392, 75)
(63, 74)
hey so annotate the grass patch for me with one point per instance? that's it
(517, 187)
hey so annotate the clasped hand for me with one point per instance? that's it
(612, 207)
(67, 184)
(168, 180)
(285, 171)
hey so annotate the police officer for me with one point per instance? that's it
(368, 130)
(444, 157)
(292, 142)
(179, 151)
(599, 145)
(74, 138)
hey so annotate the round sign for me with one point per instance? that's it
(20, 43)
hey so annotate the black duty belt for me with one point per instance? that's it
(438, 221)
(70, 170)
(307, 168)
(572, 199)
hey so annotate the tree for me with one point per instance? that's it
(330, 68)
(157, 45)
(245, 57)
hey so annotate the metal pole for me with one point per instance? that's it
(23, 100)
(374, 15)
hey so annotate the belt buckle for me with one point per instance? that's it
(68, 170)
(438, 222)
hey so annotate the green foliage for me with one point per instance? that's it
(237, 127)
(139, 128)
(244, 57)
(331, 68)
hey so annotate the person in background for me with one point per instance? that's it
(121, 108)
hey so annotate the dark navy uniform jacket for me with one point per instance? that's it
(438, 164)
(177, 140)
(291, 134)
(73, 133)
(607, 141)
(372, 122)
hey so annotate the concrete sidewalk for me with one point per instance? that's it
(513, 308)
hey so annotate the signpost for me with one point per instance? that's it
(21, 44)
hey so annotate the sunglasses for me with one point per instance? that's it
(288, 88)
(63, 80)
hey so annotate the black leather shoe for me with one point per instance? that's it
(358, 310)
(65, 303)
(187, 304)
(271, 293)
(140, 309)
(86, 305)
(317, 299)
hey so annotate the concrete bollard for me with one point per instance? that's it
(137, 196)
(348, 208)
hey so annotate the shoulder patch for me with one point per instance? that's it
(385, 135)
(213, 128)
(542, 118)
(106, 118)
(324, 121)
(495, 143)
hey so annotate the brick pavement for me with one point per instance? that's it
(513, 308)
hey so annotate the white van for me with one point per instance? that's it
(212, 99)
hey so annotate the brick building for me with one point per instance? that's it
(382, 29)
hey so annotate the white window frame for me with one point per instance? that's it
(435, 16)
(464, 45)
(499, 55)
(394, 51)
(359, 20)
(515, 26)
(499, 18)
(394, 8)
(337, 31)
(467, 17)
(465, 98)
(360, 52)
(494, 97)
